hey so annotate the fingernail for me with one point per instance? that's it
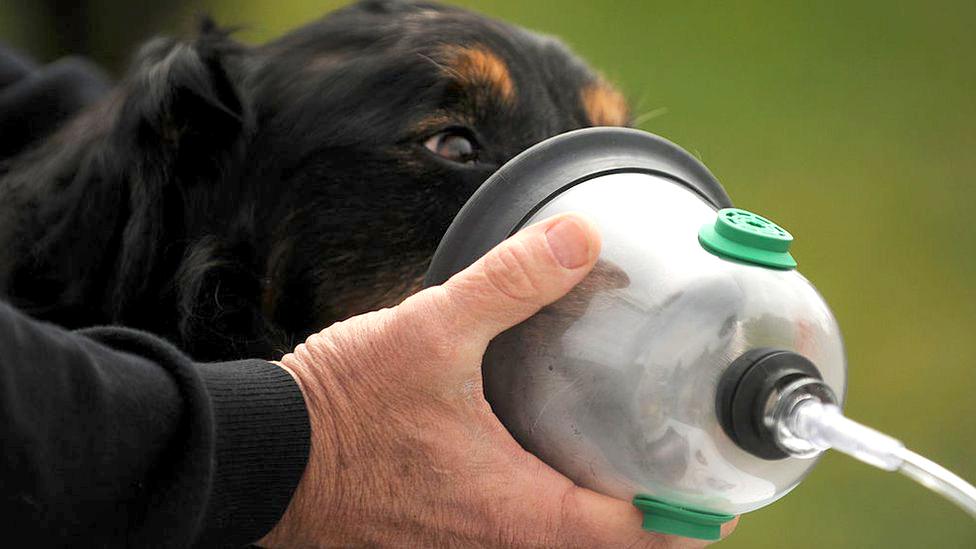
(569, 243)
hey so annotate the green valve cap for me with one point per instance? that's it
(745, 236)
(667, 519)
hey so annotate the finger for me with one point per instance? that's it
(526, 272)
(610, 521)
(598, 520)
(567, 515)
(730, 527)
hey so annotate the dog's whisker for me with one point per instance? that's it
(649, 115)
(641, 101)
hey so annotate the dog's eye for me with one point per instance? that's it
(455, 145)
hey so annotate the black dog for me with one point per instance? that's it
(236, 199)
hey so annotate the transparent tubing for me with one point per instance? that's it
(806, 421)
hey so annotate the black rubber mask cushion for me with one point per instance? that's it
(530, 180)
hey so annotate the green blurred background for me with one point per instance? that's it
(852, 123)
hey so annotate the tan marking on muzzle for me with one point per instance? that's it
(604, 105)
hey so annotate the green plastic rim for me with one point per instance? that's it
(665, 518)
(745, 236)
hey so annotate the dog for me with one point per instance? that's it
(237, 199)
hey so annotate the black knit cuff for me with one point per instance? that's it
(263, 438)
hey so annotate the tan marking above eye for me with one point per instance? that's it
(479, 66)
(437, 121)
(604, 105)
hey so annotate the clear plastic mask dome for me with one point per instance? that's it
(615, 384)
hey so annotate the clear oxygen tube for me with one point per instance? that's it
(805, 421)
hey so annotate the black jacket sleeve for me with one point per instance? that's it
(112, 437)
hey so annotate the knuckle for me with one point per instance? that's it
(356, 339)
(315, 347)
(566, 525)
(570, 505)
(574, 526)
(509, 271)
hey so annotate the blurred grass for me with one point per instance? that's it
(851, 123)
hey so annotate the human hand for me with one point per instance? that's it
(406, 450)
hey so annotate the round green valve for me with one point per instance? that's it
(745, 236)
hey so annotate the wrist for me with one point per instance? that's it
(308, 509)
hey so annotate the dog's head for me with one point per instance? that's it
(312, 177)
(386, 117)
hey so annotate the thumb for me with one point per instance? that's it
(526, 272)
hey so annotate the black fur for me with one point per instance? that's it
(236, 199)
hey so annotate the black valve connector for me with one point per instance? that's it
(745, 390)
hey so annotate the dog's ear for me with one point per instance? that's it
(182, 101)
(179, 130)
